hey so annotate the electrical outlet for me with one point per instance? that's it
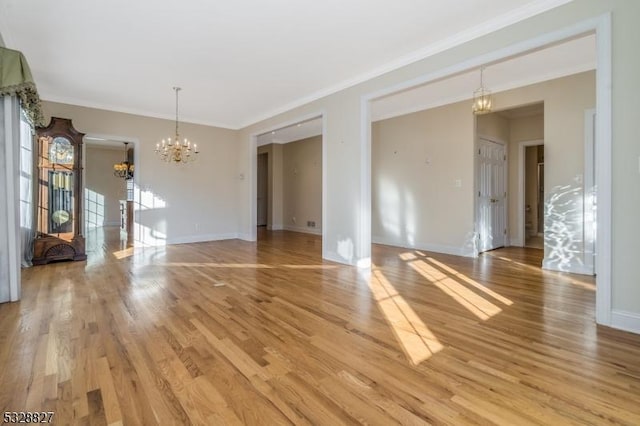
(311, 224)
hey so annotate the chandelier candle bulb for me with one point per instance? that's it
(175, 151)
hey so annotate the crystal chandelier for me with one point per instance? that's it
(481, 98)
(172, 150)
(124, 169)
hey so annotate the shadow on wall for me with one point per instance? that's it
(563, 229)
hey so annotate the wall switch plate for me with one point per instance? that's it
(457, 183)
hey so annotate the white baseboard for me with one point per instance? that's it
(627, 321)
(436, 248)
(278, 227)
(201, 238)
(303, 229)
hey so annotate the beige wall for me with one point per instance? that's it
(493, 126)
(107, 187)
(527, 128)
(302, 178)
(174, 203)
(416, 160)
(404, 186)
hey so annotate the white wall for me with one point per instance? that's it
(347, 223)
(108, 188)
(302, 179)
(174, 203)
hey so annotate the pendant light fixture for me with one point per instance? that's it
(172, 150)
(124, 169)
(481, 97)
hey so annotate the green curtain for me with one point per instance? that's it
(16, 79)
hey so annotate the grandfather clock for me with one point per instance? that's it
(59, 217)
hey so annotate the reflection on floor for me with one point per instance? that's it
(269, 333)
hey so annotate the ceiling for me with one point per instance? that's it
(237, 61)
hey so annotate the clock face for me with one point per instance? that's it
(61, 151)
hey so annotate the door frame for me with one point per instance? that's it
(519, 240)
(589, 228)
(251, 235)
(135, 145)
(476, 186)
(267, 201)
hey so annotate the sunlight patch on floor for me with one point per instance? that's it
(123, 254)
(477, 305)
(471, 282)
(415, 338)
(408, 256)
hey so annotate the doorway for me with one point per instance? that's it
(492, 194)
(262, 192)
(534, 196)
(108, 188)
(290, 179)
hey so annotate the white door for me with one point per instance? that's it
(492, 195)
(262, 189)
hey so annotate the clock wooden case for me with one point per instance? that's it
(59, 213)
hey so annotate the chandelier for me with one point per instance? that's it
(174, 151)
(481, 98)
(124, 169)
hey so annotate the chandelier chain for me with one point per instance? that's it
(173, 150)
(177, 89)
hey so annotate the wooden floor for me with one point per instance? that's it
(235, 332)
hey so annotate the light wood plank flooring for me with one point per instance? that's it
(234, 332)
